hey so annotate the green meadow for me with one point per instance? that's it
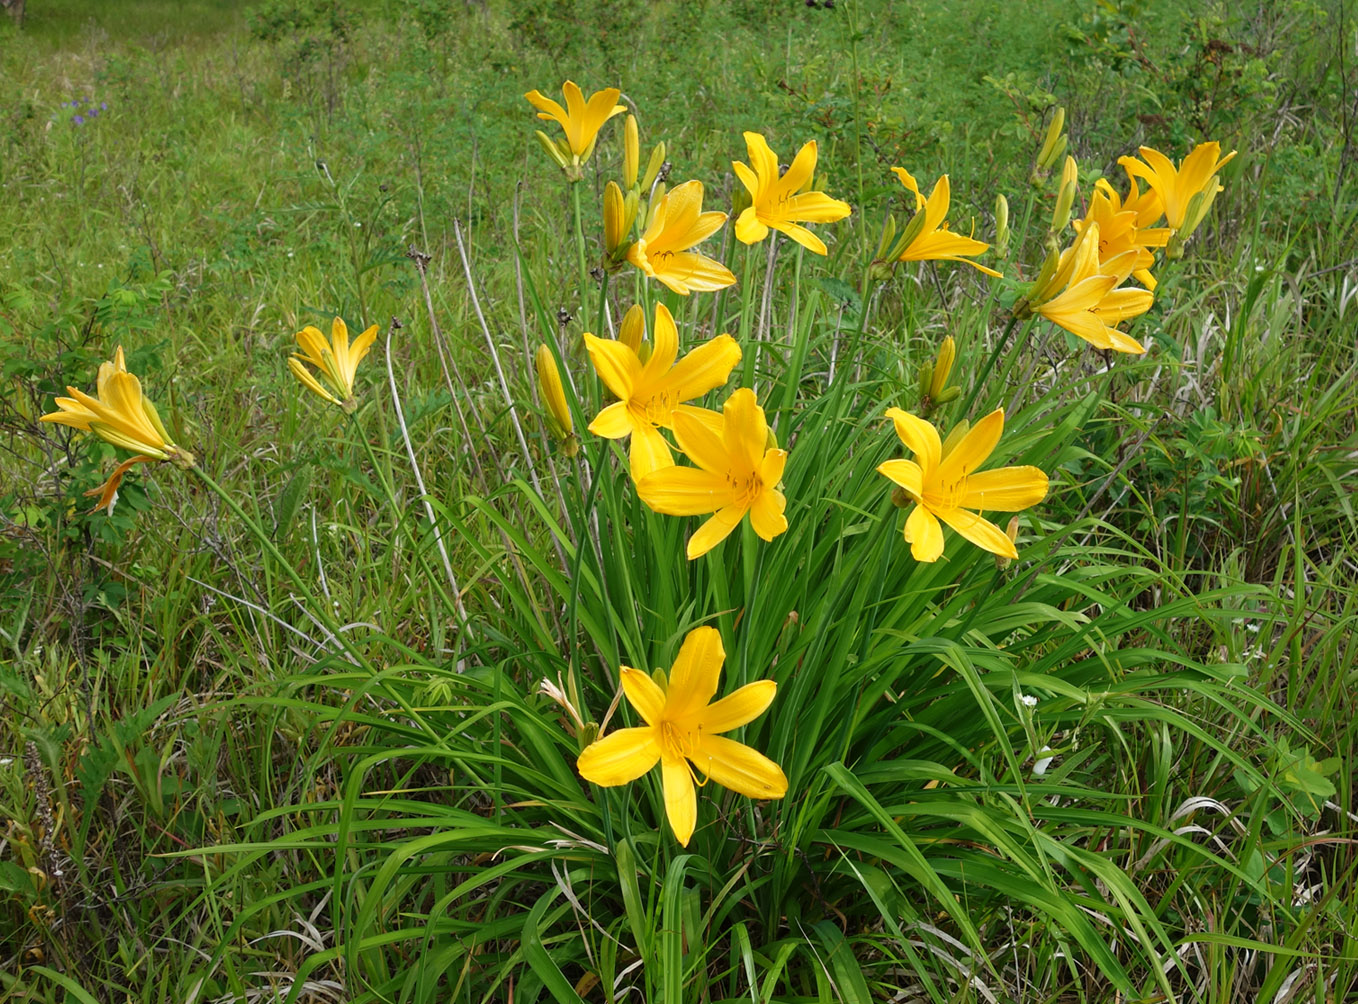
(328, 706)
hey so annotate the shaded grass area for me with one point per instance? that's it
(161, 700)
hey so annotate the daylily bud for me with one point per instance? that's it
(888, 237)
(631, 152)
(1198, 207)
(552, 149)
(948, 394)
(619, 214)
(947, 353)
(653, 166)
(553, 393)
(1011, 531)
(1042, 289)
(1065, 195)
(912, 230)
(633, 328)
(1001, 225)
(926, 378)
(1054, 144)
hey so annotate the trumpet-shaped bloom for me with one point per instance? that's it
(737, 473)
(119, 414)
(946, 485)
(580, 119)
(1195, 176)
(650, 395)
(926, 237)
(683, 732)
(336, 362)
(781, 202)
(678, 223)
(1090, 306)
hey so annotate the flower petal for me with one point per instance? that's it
(715, 530)
(617, 365)
(801, 235)
(973, 449)
(766, 514)
(750, 229)
(745, 434)
(706, 367)
(693, 678)
(649, 452)
(664, 349)
(684, 491)
(923, 534)
(681, 799)
(905, 473)
(644, 694)
(734, 765)
(614, 422)
(980, 532)
(702, 441)
(619, 757)
(740, 708)
(920, 438)
(1007, 489)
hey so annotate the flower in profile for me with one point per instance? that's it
(781, 203)
(737, 473)
(1090, 306)
(651, 395)
(683, 733)
(580, 119)
(1188, 191)
(336, 362)
(944, 484)
(678, 223)
(926, 237)
(119, 414)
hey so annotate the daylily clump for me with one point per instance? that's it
(683, 733)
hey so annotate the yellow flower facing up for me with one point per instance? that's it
(119, 414)
(782, 203)
(336, 362)
(1188, 191)
(651, 394)
(1091, 306)
(677, 224)
(683, 733)
(580, 119)
(926, 237)
(737, 473)
(944, 483)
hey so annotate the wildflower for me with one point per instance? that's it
(633, 329)
(121, 415)
(1002, 232)
(933, 377)
(651, 395)
(631, 152)
(620, 212)
(1090, 306)
(678, 223)
(944, 484)
(779, 202)
(683, 732)
(1121, 230)
(1065, 195)
(581, 121)
(737, 473)
(1188, 192)
(336, 362)
(1053, 145)
(926, 237)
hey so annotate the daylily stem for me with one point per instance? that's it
(580, 245)
(746, 295)
(989, 365)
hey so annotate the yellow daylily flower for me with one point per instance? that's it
(780, 202)
(678, 223)
(337, 362)
(1188, 191)
(120, 414)
(737, 473)
(1121, 229)
(944, 483)
(1091, 306)
(580, 119)
(683, 732)
(926, 236)
(651, 395)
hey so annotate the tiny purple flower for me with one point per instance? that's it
(103, 105)
(79, 120)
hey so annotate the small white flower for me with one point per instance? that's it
(1028, 699)
(1041, 766)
